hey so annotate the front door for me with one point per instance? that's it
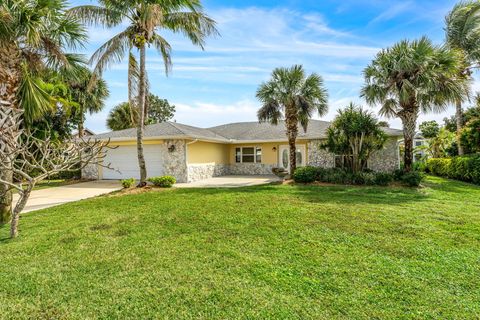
(284, 156)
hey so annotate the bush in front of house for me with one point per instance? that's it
(341, 176)
(413, 178)
(465, 168)
(163, 181)
(128, 183)
(305, 174)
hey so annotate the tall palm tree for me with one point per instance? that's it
(292, 96)
(410, 78)
(145, 20)
(33, 38)
(463, 34)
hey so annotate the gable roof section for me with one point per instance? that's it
(228, 133)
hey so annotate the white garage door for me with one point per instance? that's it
(125, 162)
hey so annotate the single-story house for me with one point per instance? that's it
(246, 148)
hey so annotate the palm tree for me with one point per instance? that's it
(410, 78)
(294, 97)
(145, 20)
(33, 39)
(120, 117)
(463, 34)
(90, 99)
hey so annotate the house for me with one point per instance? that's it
(246, 148)
(86, 133)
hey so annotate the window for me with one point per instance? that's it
(248, 155)
(418, 143)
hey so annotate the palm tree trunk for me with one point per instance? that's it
(291, 122)
(81, 125)
(9, 86)
(459, 116)
(141, 121)
(409, 121)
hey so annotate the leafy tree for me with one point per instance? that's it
(463, 34)
(470, 135)
(145, 20)
(355, 133)
(292, 96)
(384, 124)
(34, 35)
(429, 129)
(159, 110)
(467, 115)
(121, 117)
(410, 78)
(440, 145)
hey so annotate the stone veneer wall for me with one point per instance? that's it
(251, 169)
(175, 162)
(203, 171)
(387, 159)
(90, 172)
(318, 157)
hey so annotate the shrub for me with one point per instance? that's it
(439, 166)
(163, 181)
(465, 168)
(128, 183)
(413, 178)
(383, 179)
(305, 174)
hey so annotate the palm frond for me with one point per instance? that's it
(194, 25)
(97, 15)
(164, 49)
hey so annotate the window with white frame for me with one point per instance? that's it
(248, 155)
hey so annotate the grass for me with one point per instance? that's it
(283, 252)
(44, 184)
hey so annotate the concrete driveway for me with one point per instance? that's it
(50, 197)
(230, 182)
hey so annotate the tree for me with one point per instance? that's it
(384, 124)
(355, 134)
(121, 117)
(429, 129)
(463, 34)
(26, 154)
(292, 96)
(467, 115)
(410, 78)
(159, 110)
(470, 135)
(440, 144)
(89, 99)
(146, 19)
(33, 38)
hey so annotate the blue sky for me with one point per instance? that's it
(335, 39)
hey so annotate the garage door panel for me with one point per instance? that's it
(124, 161)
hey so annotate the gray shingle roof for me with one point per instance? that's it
(232, 132)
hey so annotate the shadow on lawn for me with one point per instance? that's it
(326, 194)
(450, 185)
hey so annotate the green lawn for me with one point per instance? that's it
(262, 252)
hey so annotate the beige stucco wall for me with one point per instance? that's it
(207, 152)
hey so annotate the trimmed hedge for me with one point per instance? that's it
(340, 176)
(465, 168)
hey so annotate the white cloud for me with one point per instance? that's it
(203, 114)
(393, 11)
